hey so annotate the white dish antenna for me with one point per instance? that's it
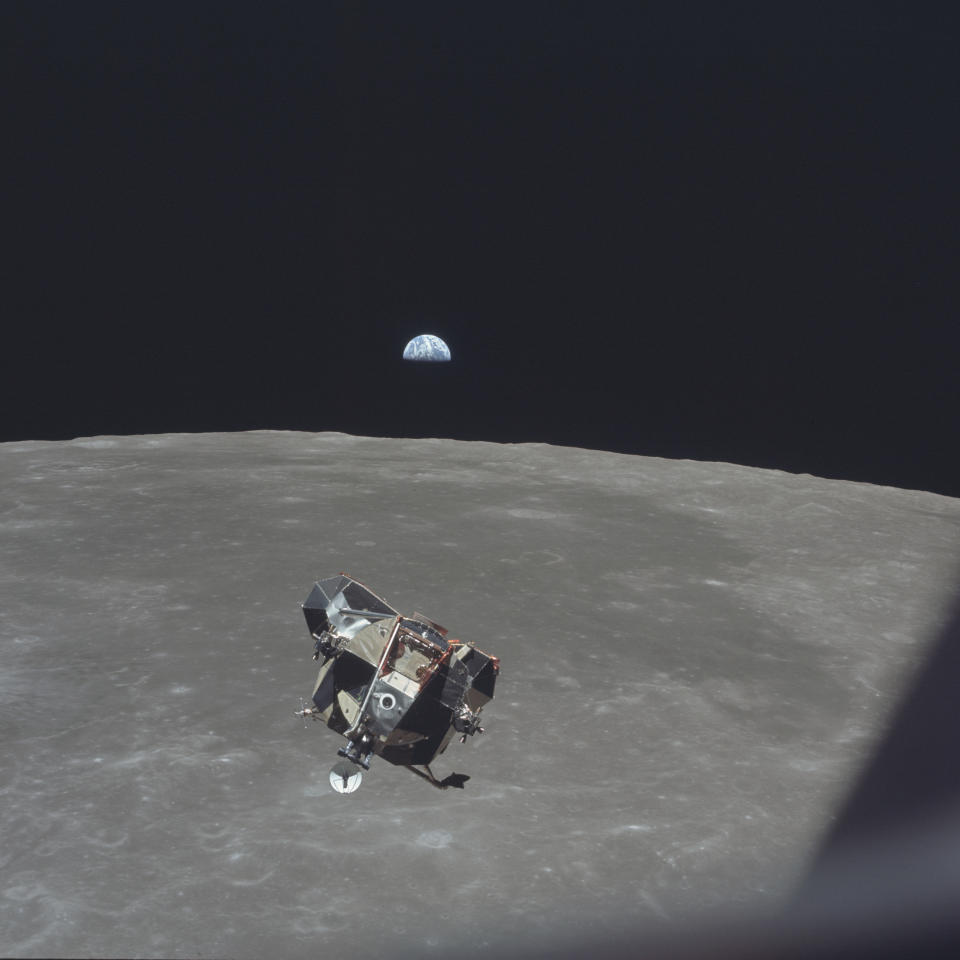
(345, 777)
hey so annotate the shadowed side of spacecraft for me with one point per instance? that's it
(393, 686)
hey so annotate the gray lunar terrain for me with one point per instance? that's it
(696, 657)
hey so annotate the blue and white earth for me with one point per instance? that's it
(427, 347)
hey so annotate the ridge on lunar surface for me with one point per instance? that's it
(719, 646)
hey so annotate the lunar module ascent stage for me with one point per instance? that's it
(393, 686)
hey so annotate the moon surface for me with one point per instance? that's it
(696, 660)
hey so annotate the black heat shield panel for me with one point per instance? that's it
(474, 660)
(484, 681)
(352, 674)
(315, 612)
(363, 600)
(342, 594)
(449, 684)
(326, 692)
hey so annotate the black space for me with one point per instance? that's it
(708, 230)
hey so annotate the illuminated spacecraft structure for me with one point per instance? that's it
(394, 686)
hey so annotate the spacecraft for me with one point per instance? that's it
(395, 687)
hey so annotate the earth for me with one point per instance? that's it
(427, 347)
